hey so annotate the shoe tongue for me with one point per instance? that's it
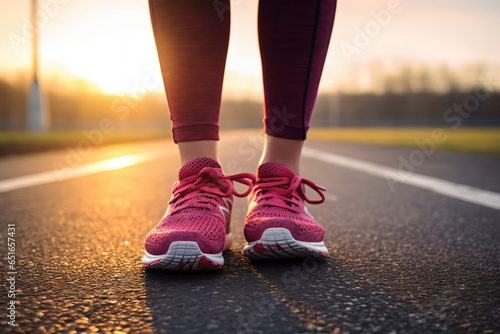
(193, 167)
(274, 169)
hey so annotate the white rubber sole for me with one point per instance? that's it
(185, 256)
(278, 243)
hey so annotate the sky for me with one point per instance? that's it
(110, 43)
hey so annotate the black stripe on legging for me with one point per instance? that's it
(308, 73)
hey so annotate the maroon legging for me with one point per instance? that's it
(192, 39)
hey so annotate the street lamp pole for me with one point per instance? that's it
(34, 40)
(37, 119)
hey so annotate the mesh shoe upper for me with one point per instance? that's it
(277, 200)
(199, 209)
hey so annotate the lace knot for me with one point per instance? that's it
(203, 190)
(286, 192)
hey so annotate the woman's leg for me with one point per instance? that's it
(294, 36)
(192, 41)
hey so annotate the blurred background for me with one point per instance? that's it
(391, 64)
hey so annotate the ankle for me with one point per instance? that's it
(294, 165)
(190, 150)
(283, 151)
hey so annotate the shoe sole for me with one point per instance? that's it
(278, 243)
(184, 256)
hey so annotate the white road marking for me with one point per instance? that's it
(455, 190)
(78, 171)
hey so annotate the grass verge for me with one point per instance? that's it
(19, 142)
(470, 140)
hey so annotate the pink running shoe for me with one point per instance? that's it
(194, 231)
(278, 224)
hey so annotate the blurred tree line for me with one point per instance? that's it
(410, 96)
(77, 103)
(378, 95)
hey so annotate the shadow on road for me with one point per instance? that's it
(305, 295)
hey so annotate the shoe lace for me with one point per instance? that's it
(285, 192)
(202, 191)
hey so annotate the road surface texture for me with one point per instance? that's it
(403, 259)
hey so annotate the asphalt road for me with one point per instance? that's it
(407, 260)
